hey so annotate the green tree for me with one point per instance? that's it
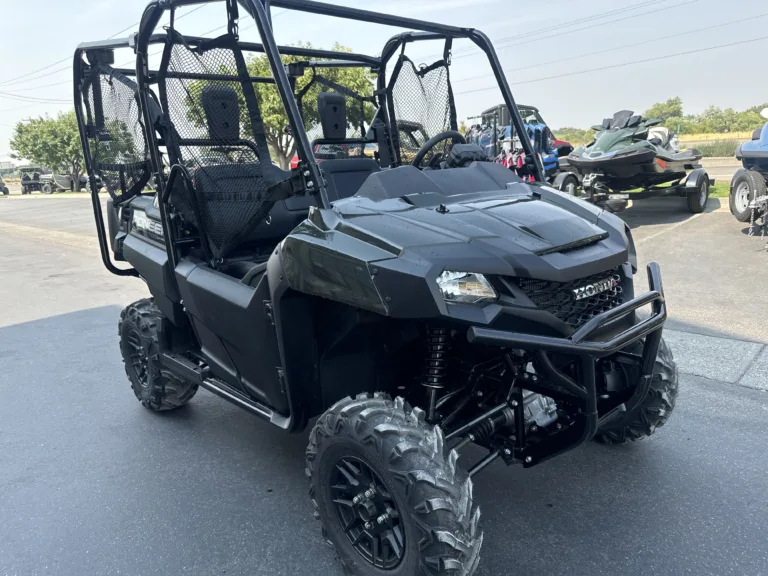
(575, 136)
(282, 144)
(50, 142)
(665, 110)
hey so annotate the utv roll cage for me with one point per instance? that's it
(127, 172)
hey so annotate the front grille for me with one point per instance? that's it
(559, 298)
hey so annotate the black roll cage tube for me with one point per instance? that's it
(260, 11)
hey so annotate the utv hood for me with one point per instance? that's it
(482, 218)
(518, 218)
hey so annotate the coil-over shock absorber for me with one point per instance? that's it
(438, 346)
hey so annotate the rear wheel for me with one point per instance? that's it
(391, 500)
(157, 389)
(655, 409)
(47, 188)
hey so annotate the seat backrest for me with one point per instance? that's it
(345, 177)
(663, 135)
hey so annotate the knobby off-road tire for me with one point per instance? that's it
(432, 495)
(156, 388)
(653, 412)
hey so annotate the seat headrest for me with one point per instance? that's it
(332, 109)
(222, 112)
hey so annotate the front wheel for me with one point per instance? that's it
(390, 498)
(655, 409)
(157, 389)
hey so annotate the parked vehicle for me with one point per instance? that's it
(30, 179)
(630, 152)
(748, 199)
(3, 187)
(34, 179)
(497, 137)
(415, 302)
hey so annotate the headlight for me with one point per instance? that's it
(465, 287)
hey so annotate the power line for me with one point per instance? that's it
(622, 64)
(20, 107)
(571, 31)
(598, 16)
(132, 26)
(29, 98)
(13, 81)
(6, 82)
(617, 47)
(39, 87)
(504, 43)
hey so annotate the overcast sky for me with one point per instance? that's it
(564, 56)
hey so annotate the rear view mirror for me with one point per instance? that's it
(764, 113)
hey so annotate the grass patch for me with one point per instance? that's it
(718, 149)
(720, 190)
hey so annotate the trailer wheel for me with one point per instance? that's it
(742, 193)
(47, 188)
(390, 497)
(698, 196)
(566, 182)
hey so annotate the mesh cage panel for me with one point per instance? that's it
(422, 107)
(119, 148)
(230, 175)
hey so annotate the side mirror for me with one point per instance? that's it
(598, 127)
(764, 113)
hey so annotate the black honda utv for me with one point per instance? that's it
(417, 301)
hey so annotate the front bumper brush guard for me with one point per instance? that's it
(580, 344)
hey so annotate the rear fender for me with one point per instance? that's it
(694, 180)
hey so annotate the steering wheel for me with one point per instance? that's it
(434, 141)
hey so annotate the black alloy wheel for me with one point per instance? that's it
(367, 513)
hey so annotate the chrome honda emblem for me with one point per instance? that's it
(595, 288)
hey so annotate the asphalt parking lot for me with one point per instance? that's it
(93, 484)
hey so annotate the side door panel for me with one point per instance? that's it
(236, 331)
